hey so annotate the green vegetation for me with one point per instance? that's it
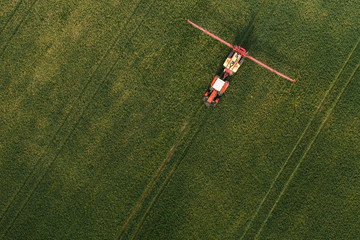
(104, 134)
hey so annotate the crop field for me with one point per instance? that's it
(103, 133)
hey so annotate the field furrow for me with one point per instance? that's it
(304, 144)
(8, 13)
(16, 22)
(103, 133)
(67, 127)
(310, 145)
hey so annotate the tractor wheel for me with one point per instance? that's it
(241, 60)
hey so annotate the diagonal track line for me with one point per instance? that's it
(48, 165)
(100, 62)
(11, 201)
(333, 83)
(153, 180)
(102, 59)
(155, 198)
(328, 113)
(17, 28)
(171, 173)
(11, 15)
(169, 176)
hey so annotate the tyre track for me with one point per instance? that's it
(6, 208)
(52, 141)
(11, 15)
(17, 28)
(328, 113)
(170, 175)
(172, 172)
(153, 180)
(301, 139)
(152, 183)
(47, 166)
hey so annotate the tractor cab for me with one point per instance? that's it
(216, 90)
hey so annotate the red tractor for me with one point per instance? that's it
(216, 90)
(218, 85)
(231, 65)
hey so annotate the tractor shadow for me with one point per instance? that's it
(244, 38)
(247, 39)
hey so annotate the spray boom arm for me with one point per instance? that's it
(236, 48)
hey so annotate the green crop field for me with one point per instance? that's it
(103, 133)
